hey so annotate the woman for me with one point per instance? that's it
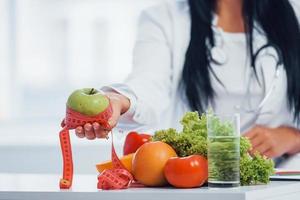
(236, 56)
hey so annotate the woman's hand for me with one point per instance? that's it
(274, 142)
(120, 104)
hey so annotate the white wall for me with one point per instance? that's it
(47, 49)
(59, 45)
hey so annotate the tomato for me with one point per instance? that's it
(186, 172)
(133, 141)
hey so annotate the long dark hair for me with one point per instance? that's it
(279, 22)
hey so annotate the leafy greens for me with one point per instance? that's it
(254, 169)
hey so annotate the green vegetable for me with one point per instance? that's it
(223, 150)
(224, 158)
(192, 140)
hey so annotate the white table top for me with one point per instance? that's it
(45, 186)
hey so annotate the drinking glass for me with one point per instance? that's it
(223, 150)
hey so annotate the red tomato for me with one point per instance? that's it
(133, 141)
(187, 172)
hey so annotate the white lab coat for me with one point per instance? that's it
(159, 54)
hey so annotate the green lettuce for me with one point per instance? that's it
(192, 140)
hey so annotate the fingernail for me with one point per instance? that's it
(88, 127)
(79, 129)
(96, 126)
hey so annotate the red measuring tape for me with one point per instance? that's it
(117, 178)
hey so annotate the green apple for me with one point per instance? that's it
(88, 101)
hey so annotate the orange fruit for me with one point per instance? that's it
(149, 162)
(125, 160)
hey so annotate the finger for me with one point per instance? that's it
(256, 141)
(252, 133)
(89, 131)
(104, 134)
(115, 116)
(270, 154)
(79, 132)
(262, 149)
(98, 130)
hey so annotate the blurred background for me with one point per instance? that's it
(47, 49)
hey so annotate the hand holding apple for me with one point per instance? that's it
(97, 102)
(85, 106)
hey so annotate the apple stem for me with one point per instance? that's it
(92, 91)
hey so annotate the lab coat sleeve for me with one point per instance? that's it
(149, 85)
(296, 6)
(127, 117)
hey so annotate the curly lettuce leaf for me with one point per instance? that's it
(191, 122)
(255, 169)
(245, 145)
(192, 140)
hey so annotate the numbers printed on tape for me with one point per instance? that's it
(74, 119)
(118, 177)
(66, 181)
